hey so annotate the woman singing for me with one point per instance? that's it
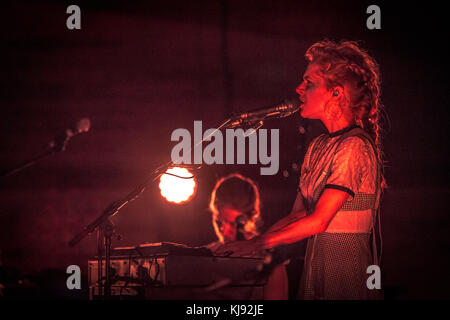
(341, 176)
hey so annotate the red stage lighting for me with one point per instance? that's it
(175, 189)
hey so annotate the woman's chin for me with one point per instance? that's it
(304, 114)
(308, 115)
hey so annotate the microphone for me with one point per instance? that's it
(56, 145)
(241, 221)
(281, 110)
(59, 143)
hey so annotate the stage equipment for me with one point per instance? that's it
(58, 144)
(174, 271)
(177, 185)
(281, 110)
(104, 226)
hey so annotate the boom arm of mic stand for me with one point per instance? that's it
(57, 145)
(116, 206)
(106, 231)
(111, 210)
(47, 152)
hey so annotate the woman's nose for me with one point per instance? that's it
(300, 89)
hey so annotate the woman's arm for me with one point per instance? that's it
(298, 211)
(328, 205)
(293, 230)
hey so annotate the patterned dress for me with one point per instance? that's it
(337, 259)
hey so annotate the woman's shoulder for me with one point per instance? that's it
(356, 147)
(356, 138)
(355, 135)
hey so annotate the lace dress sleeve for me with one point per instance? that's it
(351, 163)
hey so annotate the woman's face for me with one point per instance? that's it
(313, 93)
(226, 220)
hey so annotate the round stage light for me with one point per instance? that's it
(177, 190)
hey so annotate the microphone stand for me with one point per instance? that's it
(28, 163)
(106, 228)
(57, 145)
(106, 231)
(260, 274)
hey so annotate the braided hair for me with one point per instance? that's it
(345, 63)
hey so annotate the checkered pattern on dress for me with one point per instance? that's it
(336, 263)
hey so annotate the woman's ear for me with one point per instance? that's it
(337, 92)
(333, 108)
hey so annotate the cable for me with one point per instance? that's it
(157, 269)
(381, 237)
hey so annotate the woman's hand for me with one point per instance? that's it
(247, 248)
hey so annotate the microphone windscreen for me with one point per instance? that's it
(291, 103)
(242, 220)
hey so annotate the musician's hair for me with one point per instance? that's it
(346, 63)
(239, 193)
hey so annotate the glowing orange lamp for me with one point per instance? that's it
(177, 185)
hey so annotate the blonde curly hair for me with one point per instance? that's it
(346, 63)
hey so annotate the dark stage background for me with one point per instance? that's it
(140, 70)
